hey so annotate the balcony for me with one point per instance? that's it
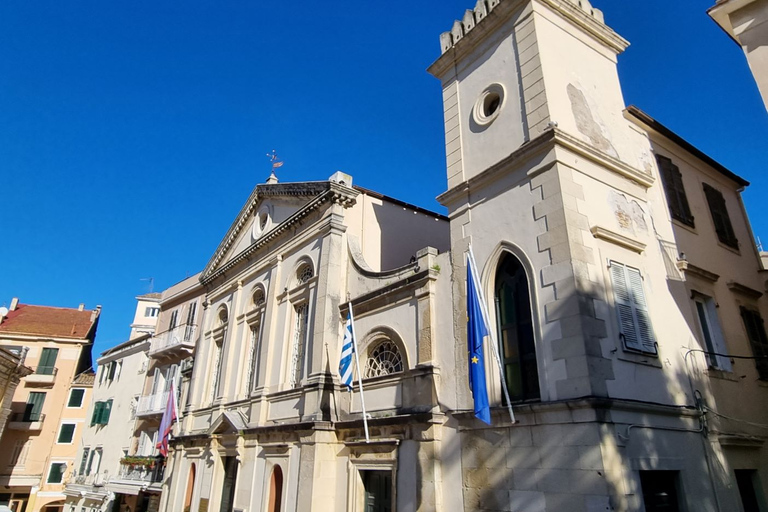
(142, 469)
(43, 375)
(26, 421)
(180, 339)
(152, 404)
(95, 479)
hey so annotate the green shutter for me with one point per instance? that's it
(67, 433)
(76, 397)
(34, 406)
(106, 412)
(47, 361)
(56, 474)
(96, 413)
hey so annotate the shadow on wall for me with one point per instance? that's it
(405, 231)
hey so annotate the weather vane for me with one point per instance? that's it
(275, 164)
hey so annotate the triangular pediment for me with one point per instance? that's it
(228, 422)
(269, 210)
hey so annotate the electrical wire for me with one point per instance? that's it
(758, 425)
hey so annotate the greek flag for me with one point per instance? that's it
(347, 351)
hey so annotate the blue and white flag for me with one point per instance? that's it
(347, 351)
(477, 330)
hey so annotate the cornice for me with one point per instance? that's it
(617, 238)
(551, 138)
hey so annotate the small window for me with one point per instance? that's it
(305, 273)
(720, 217)
(174, 319)
(191, 313)
(660, 492)
(223, 316)
(34, 408)
(383, 359)
(753, 322)
(76, 398)
(674, 191)
(66, 434)
(258, 296)
(151, 312)
(84, 460)
(632, 308)
(56, 473)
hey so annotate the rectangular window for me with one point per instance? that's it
(84, 461)
(47, 365)
(34, 409)
(20, 452)
(720, 217)
(66, 434)
(94, 462)
(151, 312)
(674, 191)
(253, 357)
(191, 313)
(219, 364)
(76, 398)
(660, 493)
(714, 342)
(56, 473)
(377, 486)
(632, 308)
(174, 319)
(299, 341)
(753, 322)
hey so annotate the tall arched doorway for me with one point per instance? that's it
(190, 489)
(514, 316)
(275, 490)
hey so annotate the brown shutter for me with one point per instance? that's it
(720, 217)
(674, 191)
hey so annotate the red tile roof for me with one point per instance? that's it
(48, 321)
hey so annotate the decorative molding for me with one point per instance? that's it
(689, 268)
(744, 290)
(618, 239)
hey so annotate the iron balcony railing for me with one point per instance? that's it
(143, 473)
(181, 335)
(46, 370)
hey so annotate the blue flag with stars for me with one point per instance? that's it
(477, 330)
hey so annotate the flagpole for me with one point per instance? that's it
(491, 332)
(359, 373)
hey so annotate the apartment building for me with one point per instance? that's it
(49, 405)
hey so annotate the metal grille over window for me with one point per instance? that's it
(300, 334)
(383, 359)
(305, 273)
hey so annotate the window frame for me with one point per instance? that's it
(710, 327)
(47, 369)
(50, 470)
(69, 398)
(758, 346)
(61, 431)
(40, 413)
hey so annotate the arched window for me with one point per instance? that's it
(222, 316)
(190, 489)
(258, 296)
(384, 358)
(304, 273)
(275, 490)
(515, 330)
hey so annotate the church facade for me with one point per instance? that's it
(624, 287)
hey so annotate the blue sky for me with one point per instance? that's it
(132, 132)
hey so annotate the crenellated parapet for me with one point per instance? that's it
(473, 17)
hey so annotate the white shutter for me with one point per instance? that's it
(645, 330)
(632, 308)
(623, 302)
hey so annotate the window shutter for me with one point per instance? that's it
(623, 301)
(757, 338)
(107, 409)
(674, 191)
(645, 331)
(720, 217)
(47, 361)
(632, 308)
(67, 433)
(34, 406)
(95, 418)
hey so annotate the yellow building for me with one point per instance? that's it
(48, 409)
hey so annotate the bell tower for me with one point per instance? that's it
(535, 137)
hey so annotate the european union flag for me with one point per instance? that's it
(476, 331)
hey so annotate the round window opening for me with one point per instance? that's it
(262, 223)
(489, 104)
